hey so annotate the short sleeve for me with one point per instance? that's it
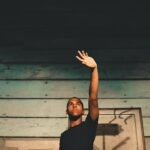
(90, 122)
(60, 143)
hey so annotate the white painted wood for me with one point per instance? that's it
(132, 124)
(42, 127)
(130, 130)
(65, 89)
(57, 107)
(146, 123)
(33, 127)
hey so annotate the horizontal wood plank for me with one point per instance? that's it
(147, 142)
(32, 143)
(65, 89)
(57, 107)
(74, 71)
(41, 142)
(31, 127)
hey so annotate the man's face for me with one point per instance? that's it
(74, 107)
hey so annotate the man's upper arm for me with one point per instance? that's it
(93, 109)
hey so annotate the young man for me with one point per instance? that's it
(81, 135)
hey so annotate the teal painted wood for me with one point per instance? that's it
(65, 89)
(45, 71)
(74, 71)
(57, 107)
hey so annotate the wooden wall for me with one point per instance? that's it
(33, 97)
(38, 70)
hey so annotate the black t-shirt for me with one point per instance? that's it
(80, 137)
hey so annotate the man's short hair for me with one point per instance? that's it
(75, 98)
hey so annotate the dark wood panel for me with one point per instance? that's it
(66, 20)
(66, 54)
(41, 40)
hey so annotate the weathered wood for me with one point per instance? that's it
(65, 89)
(74, 71)
(131, 132)
(43, 142)
(42, 127)
(2, 143)
(32, 127)
(33, 143)
(147, 142)
(146, 127)
(57, 107)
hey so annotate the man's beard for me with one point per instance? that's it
(74, 118)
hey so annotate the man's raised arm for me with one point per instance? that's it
(94, 81)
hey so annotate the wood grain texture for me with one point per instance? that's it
(147, 143)
(66, 89)
(57, 107)
(42, 127)
(32, 127)
(43, 142)
(33, 143)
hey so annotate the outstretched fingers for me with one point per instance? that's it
(82, 54)
(86, 54)
(80, 59)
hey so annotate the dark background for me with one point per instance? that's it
(49, 31)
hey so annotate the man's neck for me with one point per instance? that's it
(76, 122)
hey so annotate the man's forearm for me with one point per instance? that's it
(93, 89)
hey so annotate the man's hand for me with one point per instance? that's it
(86, 60)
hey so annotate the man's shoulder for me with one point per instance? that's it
(65, 132)
(89, 119)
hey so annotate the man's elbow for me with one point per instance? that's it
(95, 114)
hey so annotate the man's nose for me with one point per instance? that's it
(74, 105)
